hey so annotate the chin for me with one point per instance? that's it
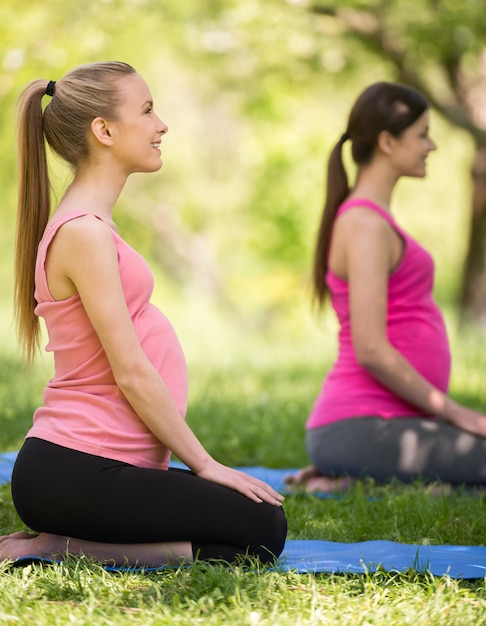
(150, 170)
(420, 173)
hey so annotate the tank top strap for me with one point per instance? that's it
(369, 204)
(41, 287)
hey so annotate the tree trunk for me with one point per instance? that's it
(473, 296)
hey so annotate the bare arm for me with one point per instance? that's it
(368, 256)
(85, 251)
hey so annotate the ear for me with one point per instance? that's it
(101, 131)
(386, 142)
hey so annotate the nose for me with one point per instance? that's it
(162, 127)
(432, 144)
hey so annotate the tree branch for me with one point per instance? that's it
(371, 29)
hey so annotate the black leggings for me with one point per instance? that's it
(66, 492)
(405, 448)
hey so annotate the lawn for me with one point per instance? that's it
(249, 406)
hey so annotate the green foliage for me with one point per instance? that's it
(254, 405)
(254, 94)
(20, 394)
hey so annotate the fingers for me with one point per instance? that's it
(260, 495)
(473, 422)
(261, 484)
(257, 490)
(253, 488)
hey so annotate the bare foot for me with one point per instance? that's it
(302, 476)
(440, 489)
(44, 545)
(19, 545)
(326, 484)
(314, 481)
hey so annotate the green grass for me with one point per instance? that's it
(249, 407)
(82, 593)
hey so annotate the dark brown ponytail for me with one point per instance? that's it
(337, 190)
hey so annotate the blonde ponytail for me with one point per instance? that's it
(83, 94)
(33, 211)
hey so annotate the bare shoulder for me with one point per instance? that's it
(361, 224)
(86, 231)
(82, 243)
(84, 225)
(81, 249)
(362, 217)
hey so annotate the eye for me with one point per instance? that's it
(149, 109)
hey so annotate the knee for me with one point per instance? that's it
(275, 535)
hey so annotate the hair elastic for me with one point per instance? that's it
(344, 137)
(50, 88)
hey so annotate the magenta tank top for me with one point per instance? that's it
(415, 328)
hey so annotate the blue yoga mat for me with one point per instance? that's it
(7, 460)
(313, 557)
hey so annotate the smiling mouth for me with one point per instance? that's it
(155, 145)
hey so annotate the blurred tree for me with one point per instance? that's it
(232, 80)
(439, 48)
(253, 94)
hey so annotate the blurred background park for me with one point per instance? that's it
(255, 94)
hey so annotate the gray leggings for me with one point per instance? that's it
(406, 448)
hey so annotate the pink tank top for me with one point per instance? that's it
(83, 407)
(415, 328)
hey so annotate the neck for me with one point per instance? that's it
(376, 184)
(92, 191)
